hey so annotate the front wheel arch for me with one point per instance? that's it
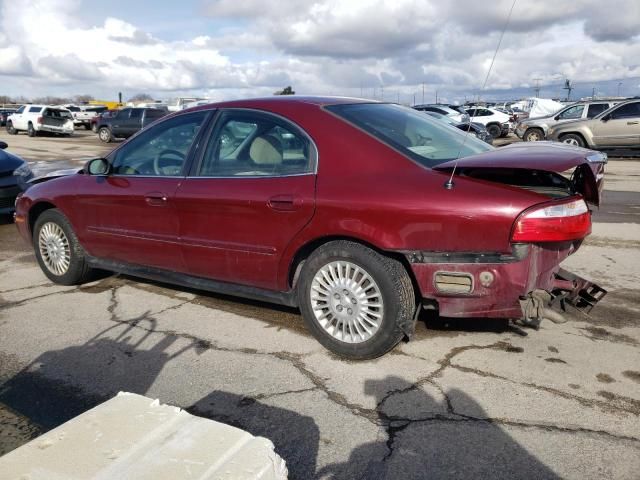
(35, 211)
(574, 134)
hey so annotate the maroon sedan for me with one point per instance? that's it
(359, 213)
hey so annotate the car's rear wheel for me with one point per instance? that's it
(354, 300)
(57, 249)
(10, 129)
(494, 130)
(572, 139)
(104, 134)
(87, 126)
(31, 131)
(533, 135)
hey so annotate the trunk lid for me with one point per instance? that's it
(586, 179)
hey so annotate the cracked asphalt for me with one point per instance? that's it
(463, 399)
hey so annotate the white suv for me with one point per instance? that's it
(497, 123)
(40, 118)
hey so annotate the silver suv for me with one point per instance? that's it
(618, 127)
(536, 128)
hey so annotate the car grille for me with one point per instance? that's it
(7, 202)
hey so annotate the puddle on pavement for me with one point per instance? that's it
(598, 333)
(605, 378)
(554, 360)
(632, 375)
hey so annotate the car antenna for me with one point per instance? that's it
(449, 183)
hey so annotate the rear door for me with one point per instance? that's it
(619, 128)
(251, 192)
(119, 122)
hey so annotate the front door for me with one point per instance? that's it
(130, 215)
(621, 129)
(251, 193)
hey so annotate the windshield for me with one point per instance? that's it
(420, 137)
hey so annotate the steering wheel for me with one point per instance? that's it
(160, 162)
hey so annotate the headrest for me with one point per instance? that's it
(266, 150)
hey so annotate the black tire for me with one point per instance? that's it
(78, 270)
(10, 129)
(494, 130)
(104, 134)
(533, 135)
(395, 288)
(31, 131)
(573, 139)
(87, 126)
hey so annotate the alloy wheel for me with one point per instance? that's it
(347, 302)
(54, 248)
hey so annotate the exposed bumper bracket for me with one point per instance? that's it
(571, 289)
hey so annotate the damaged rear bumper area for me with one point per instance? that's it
(527, 285)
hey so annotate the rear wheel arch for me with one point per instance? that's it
(576, 134)
(303, 253)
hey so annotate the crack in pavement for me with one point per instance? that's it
(393, 425)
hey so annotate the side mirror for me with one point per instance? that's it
(557, 117)
(97, 166)
(3, 145)
(606, 118)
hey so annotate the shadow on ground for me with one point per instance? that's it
(61, 384)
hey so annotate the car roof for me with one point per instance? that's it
(319, 101)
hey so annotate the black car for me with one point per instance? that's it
(14, 175)
(126, 122)
(4, 114)
(477, 129)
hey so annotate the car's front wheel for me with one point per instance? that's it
(494, 130)
(573, 139)
(533, 135)
(57, 249)
(355, 300)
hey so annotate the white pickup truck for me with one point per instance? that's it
(40, 118)
(82, 115)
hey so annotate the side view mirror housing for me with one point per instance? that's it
(557, 117)
(3, 145)
(97, 166)
(606, 117)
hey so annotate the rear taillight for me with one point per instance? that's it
(39, 120)
(553, 223)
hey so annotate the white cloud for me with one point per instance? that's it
(323, 46)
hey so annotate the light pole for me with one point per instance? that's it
(619, 85)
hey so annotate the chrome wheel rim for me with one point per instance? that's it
(54, 248)
(347, 302)
(104, 135)
(534, 137)
(571, 141)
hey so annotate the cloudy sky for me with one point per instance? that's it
(239, 48)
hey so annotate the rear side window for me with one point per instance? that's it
(35, 109)
(135, 113)
(256, 144)
(572, 112)
(596, 109)
(154, 114)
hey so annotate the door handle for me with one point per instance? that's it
(633, 123)
(156, 199)
(285, 203)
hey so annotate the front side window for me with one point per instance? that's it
(420, 137)
(20, 110)
(161, 150)
(629, 110)
(572, 112)
(256, 144)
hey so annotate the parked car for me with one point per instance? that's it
(84, 115)
(497, 123)
(126, 122)
(4, 114)
(14, 175)
(534, 129)
(618, 127)
(40, 118)
(476, 129)
(357, 212)
(96, 119)
(443, 110)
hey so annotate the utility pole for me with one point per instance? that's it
(537, 87)
(382, 92)
(593, 93)
(619, 85)
(568, 87)
(423, 93)
(414, 98)
(436, 96)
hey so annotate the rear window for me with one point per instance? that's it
(420, 137)
(155, 113)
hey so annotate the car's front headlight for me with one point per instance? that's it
(23, 171)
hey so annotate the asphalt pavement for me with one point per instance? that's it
(463, 399)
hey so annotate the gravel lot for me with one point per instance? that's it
(463, 399)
